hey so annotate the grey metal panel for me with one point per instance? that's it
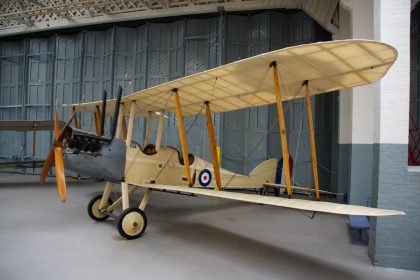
(97, 70)
(139, 74)
(158, 54)
(67, 72)
(39, 94)
(259, 33)
(11, 94)
(280, 26)
(124, 59)
(237, 38)
(201, 45)
(140, 58)
(176, 50)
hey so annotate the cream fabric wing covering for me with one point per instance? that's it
(328, 66)
(298, 204)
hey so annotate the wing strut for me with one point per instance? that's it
(160, 130)
(124, 128)
(283, 137)
(312, 139)
(129, 134)
(182, 137)
(212, 141)
(76, 123)
(97, 116)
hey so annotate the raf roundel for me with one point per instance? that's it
(205, 177)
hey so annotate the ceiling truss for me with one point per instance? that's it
(23, 16)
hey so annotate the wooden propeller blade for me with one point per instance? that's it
(59, 173)
(47, 166)
(56, 128)
(62, 133)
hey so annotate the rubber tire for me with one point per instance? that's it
(121, 219)
(90, 210)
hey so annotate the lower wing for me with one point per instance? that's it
(298, 204)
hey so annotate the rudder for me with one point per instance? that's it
(266, 171)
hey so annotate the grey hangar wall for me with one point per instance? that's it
(40, 71)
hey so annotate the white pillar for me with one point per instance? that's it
(392, 93)
(356, 126)
(390, 239)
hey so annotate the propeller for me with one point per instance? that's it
(55, 156)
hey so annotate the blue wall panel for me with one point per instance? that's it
(12, 72)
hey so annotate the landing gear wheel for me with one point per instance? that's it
(132, 223)
(93, 209)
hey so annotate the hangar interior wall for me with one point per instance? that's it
(37, 72)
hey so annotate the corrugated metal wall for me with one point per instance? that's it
(88, 62)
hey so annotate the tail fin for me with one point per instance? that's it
(265, 171)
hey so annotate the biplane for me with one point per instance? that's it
(19, 161)
(316, 68)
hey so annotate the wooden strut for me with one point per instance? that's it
(124, 128)
(76, 123)
(283, 136)
(213, 148)
(160, 130)
(97, 120)
(312, 139)
(34, 143)
(120, 122)
(129, 131)
(182, 137)
(118, 135)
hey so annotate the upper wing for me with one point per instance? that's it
(328, 66)
(298, 204)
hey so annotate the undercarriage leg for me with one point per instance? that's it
(105, 196)
(145, 199)
(124, 195)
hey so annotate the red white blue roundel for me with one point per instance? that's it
(204, 177)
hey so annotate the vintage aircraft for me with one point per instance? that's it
(317, 68)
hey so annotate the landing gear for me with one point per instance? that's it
(132, 223)
(93, 209)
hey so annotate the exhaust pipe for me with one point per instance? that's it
(103, 113)
(116, 112)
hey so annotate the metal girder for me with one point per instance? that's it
(45, 15)
(24, 20)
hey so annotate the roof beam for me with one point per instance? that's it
(164, 3)
(24, 20)
(42, 5)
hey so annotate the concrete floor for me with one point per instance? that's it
(186, 238)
